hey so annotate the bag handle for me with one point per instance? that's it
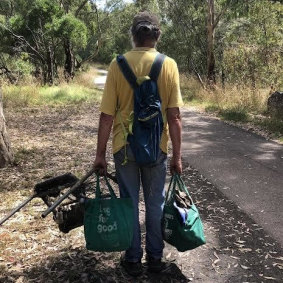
(183, 187)
(113, 195)
(171, 189)
(176, 180)
(98, 191)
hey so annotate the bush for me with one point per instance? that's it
(236, 115)
(190, 88)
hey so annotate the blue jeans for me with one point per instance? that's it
(152, 177)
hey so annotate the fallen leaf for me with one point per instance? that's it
(269, 278)
(168, 256)
(244, 250)
(20, 279)
(216, 255)
(245, 267)
(279, 265)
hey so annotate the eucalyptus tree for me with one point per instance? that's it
(252, 44)
(50, 32)
(224, 39)
(183, 35)
(31, 32)
(6, 155)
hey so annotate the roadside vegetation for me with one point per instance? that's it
(229, 52)
(29, 93)
(238, 104)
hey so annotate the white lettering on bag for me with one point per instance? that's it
(107, 228)
(103, 221)
(105, 210)
(169, 216)
(168, 233)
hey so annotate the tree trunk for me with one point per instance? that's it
(6, 155)
(51, 66)
(210, 43)
(69, 68)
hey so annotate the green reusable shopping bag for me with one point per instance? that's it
(182, 227)
(108, 222)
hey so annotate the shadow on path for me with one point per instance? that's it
(79, 265)
(237, 249)
(247, 168)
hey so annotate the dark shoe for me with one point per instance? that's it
(132, 268)
(155, 265)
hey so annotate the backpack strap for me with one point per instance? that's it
(156, 66)
(127, 71)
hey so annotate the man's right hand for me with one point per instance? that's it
(176, 166)
(100, 165)
(175, 128)
(104, 129)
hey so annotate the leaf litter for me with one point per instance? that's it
(53, 141)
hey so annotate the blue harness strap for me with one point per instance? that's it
(156, 66)
(127, 71)
(130, 76)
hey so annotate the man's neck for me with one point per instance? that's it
(146, 44)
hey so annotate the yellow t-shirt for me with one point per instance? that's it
(118, 94)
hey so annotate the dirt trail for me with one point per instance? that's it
(52, 141)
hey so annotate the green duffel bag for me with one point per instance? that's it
(108, 222)
(181, 223)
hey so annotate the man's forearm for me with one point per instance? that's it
(175, 130)
(104, 129)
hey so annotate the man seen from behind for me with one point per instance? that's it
(116, 109)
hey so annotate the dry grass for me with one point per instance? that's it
(190, 87)
(86, 78)
(81, 89)
(236, 103)
(231, 97)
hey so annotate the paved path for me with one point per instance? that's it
(100, 80)
(245, 167)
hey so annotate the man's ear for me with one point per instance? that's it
(157, 34)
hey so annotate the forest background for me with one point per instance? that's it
(229, 52)
(230, 57)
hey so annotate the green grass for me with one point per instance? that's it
(211, 108)
(236, 115)
(23, 96)
(272, 125)
(68, 94)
